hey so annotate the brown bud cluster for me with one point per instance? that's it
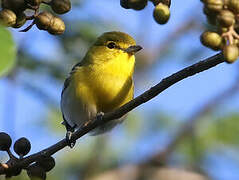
(224, 15)
(12, 14)
(161, 11)
(60, 6)
(46, 21)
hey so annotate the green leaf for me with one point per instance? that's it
(223, 130)
(228, 129)
(7, 51)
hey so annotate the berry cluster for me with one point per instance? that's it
(224, 15)
(22, 147)
(13, 14)
(161, 12)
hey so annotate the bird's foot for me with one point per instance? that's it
(71, 143)
(70, 130)
(99, 116)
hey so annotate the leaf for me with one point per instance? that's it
(7, 51)
(210, 132)
(223, 130)
(228, 129)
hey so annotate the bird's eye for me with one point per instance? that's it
(111, 45)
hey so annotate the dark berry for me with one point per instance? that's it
(22, 146)
(5, 141)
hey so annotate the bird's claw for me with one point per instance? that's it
(99, 116)
(71, 143)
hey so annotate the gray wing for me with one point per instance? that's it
(66, 84)
(67, 81)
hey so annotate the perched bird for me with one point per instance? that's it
(101, 82)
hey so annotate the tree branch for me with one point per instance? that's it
(146, 96)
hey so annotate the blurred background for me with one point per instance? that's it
(190, 131)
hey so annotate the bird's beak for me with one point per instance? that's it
(133, 49)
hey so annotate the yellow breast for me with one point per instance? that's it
(108, 85)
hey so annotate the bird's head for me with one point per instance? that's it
(112, 44)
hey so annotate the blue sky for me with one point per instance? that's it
(181, 100)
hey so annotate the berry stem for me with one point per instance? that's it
(11, 155)
(28, 28)
(230, 35)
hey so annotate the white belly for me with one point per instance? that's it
(77, 113)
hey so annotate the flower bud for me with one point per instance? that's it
(161, 13)
(230, 53)
(226, 18)
(214, 5)
(44, 20)
(7, 17)
(57, 26)
(211, 39)
(61, 6)
(234, 6)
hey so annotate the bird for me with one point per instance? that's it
(100, 83)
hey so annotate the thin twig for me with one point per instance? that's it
(28, 27)
(146, 96)
(10, 154)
